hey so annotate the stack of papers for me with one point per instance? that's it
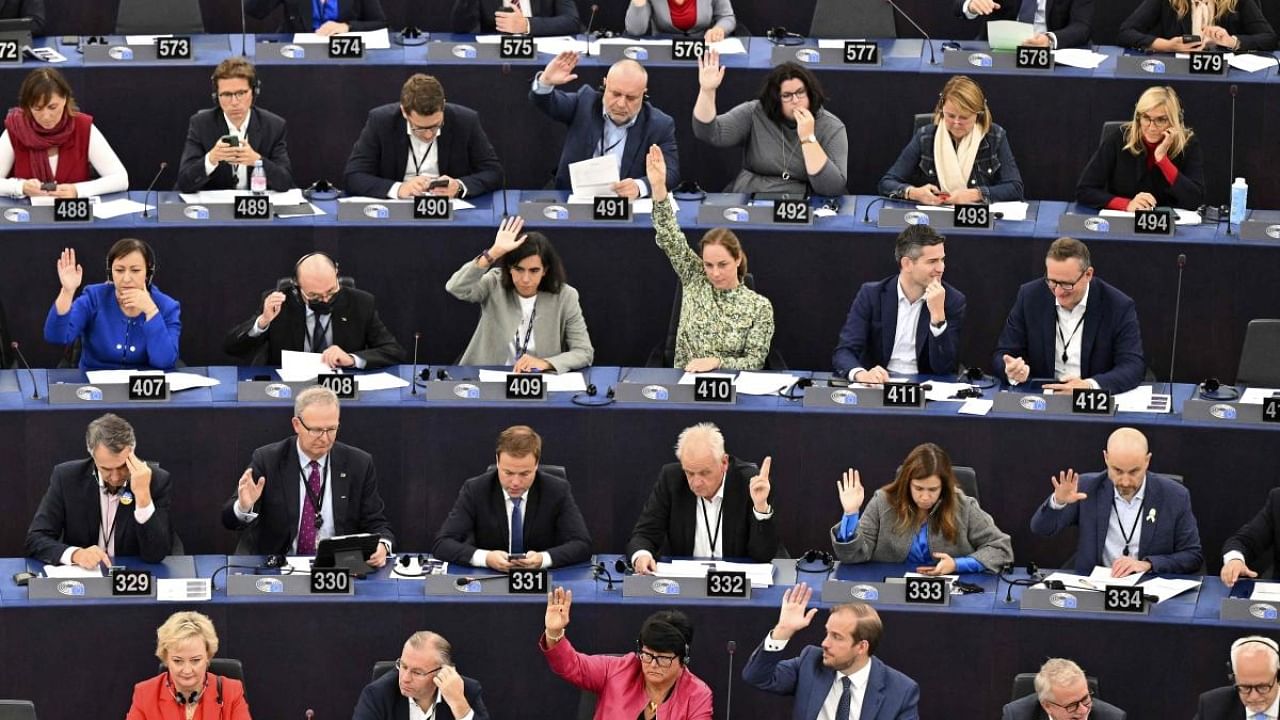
(70, 571)
(760, 574)
(565, 382)
(178, 381)
(226, 197)
(1163, 589)
(1254, 395)
(1160, 588)
(373, 39)
(1143, 399)
(458, 204)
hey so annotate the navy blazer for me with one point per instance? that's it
(1114, 171)
(1110, 351)
(1170, 541)
(1259, 537)
(357, 506)
(70, 515)
(550, 17)
(355, 326)
(381, 700)
(267, 135)
(667, 523)
(866, 340)
(379, 156)
(33, 9)
(1028, 708)
(1156, 19)
(1220, 704)
(360, 15)
(1070, 21)
(478, 521)
(890, 695)
(583, 112)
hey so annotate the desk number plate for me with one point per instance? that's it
(791, 212)
(903, 395)
(131, 583)
(1030, 57)
(344, 386)
(516, 47)
(607, 207)
(77, 209)
(173, 48)
(1271, 409)
(148, 387)
(687, 49)
(526, 386)
(346, 47)
(527, 582)
(1153, 222)
(330, 581)
(861, 53)
(973, 216)
(727, 584)
(432, 207)
(252, 207)
(1119, 598)
(10, 52)
(1088, 401)
(926, 590)
(713, 388)
(1208, 63)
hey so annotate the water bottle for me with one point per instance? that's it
(258, 181)
(1239, 200)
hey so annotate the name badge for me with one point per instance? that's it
(76, 209)
(527, 582)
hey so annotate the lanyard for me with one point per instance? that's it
(317, 499)
(1067, 340)
(108, 530)
(1128, 537)
(521, 349)
(706, 523)
(417, 164)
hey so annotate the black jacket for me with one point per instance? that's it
(1156, 19)
(33, 9)
(550, 17)
(267, 135)
(1071, 21)
(1113, 171)
(381, 700)
(1259, 537)
(361, 15)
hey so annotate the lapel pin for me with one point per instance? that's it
(1151, 515)
(126, 497)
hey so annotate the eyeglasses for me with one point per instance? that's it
(1262, 689)
(1065, 286)
(318, 433)
(1085, 703)
(233, 95)
(796, 95)
(415, 673)
(429, 130)
(662, 661)
(321, 297)
(1162, 121)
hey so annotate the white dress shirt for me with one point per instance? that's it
(424, 159)
(326, 510)
(480, 555)
(1069, 327)
(1272, 712)
(108, 507)
(417, 713)
(1125, 515)
(112, 177)
(526, 316)
(859, 679)
(903, 360)
(708, 526)
(240, 171)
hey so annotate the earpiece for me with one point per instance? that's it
(1212, 389)
(1258, 639)
(816, 561)
(148, 256)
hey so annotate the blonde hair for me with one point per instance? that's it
(1152, 98)
(183, 626)
(1220, 8)
(968, 96)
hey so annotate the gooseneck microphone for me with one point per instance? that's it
(591, 21)
(866, 215)
(1177, 308)
(730, 647)
(146, 212)
(933, 60)
(468, 579)
(244, 34)
(35, 391)
(413, 377)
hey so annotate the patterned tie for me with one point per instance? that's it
(307, 523)
(517, 527)
(846, 699)
(516, 4)
(318, 341)
(1027, 13)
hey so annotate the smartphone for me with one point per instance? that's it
(48, 186)
(438, 184)
(231, 140)
(1190, 38)
(515, 556)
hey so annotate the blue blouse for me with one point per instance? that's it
(319, 15)
(919, 553)
(111, 341)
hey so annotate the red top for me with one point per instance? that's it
(619, 683)
(1166, 166)
(154, 700)
(73, 155)
(683, 17)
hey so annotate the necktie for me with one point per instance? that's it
(1027, 13)
(846, 699)
(318, 343)
(517, 527)
(307, 522)
(516, 4)
(1260, 716)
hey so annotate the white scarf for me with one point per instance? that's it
(1201, 16)
(955, 163)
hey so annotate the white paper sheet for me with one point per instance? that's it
(178, 381)
(184, 589)
(940, 391)
(836, 43)
(1254, 395)
(763, 383)
(116, 208)
(70, 571)
(457, 203)
(1013, 210)
(760, 574)
(557, 45)
(1266, 591)
(305, 210)
(1182, 217)
(300, 564)
(379, 381)
(1143, 399)
(1165, 588)
(1078, 57)
(1008, 34)
(1101, 576)
(687, 378)
(1250, 63)
(594, 177)
(301, 366)
(373, 39)
(143, 39)
(47, 201)
(226, 197)
(563, 382)
(976, 406)
(730, 46)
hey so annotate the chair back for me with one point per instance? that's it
(853, 19)
(19, 710)
(154, 17)
(921, 120)
(1106, 126)
(382, 667)
(1260, 356)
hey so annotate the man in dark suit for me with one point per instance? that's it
(335, 485)
(422, 145)
(875, 342)
(620, 122)
(521, 17)
(708, 504)
(336, 16)
(1130, 520)
(210, 161)
(1070, 327)
(512, 509)
(109, 505)
(1062, 693)
(843, 678)
(1256, 540)
(1254, 692)
(1058, 23)
(33, 9)
(426, 676)
(317, 314)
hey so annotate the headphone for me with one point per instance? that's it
(779, 35)
(148, 256)
(290, 286)
(589, 399)
(975, 375)
(255, 84)
(1268, 642)
(816, 561)
(1212, 389)
(942, 100)
(193, 697)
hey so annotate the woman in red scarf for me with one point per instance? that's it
(50, 148)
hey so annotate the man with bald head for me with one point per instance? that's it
(313, 312)
(1130, 520)
(618, 122)
(424, 684)
(1254, 693)
(707, 505)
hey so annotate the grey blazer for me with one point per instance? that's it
(559, 330)
(654, 18)
(877, 541)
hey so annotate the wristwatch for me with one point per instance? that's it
(811, 139)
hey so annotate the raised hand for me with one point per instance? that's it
(793, 617)
(247, 491)
(851, 491)
(560, 70)
(1066, 487)
(508, 237)
(271, 305)
(760, 487)
(1016, 369)
(710, 71)
(70, 275)
(655, 170)
(556, 619)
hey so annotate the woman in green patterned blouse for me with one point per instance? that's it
(723, 323)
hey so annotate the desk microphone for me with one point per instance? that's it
(413, 377)
(146, 212)
(1177, 308)
(506, 70)
(468, 579)
(866, 215)
(35, 391)
(927, 40)
(591, 22)
(730, 647)
(624, 566)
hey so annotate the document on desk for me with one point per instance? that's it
(1250, 63)
(1254, 395)
(143, 39)
(1078, 57)
(457, 203)
(1011, 210)
(1182, 217)
(1101, 576)
(939, 391)
(298, 366)
(760, 574)
(557, 45)
(763, 383)
(226, 197)
(178, 381)
(1165, 588)
(1144, 399)
(1266, 591)
(70, 572)
(47, 201)
(556, 382)
(373, 39)
(379, 381)
(976, 406)
(594, 177)
(116, 208)
(1008, 34)
(730, 46)
(299, 564)
(184, 589)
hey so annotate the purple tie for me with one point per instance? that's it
(307, 523)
